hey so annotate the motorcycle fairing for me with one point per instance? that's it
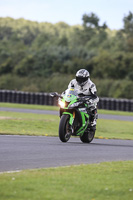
(84, 118)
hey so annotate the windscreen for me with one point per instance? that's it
(70, 95)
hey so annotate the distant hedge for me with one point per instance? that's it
(45, 57)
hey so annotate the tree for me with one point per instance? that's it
(92, 27)
(90, 21)
(128, 24)
(128, 29)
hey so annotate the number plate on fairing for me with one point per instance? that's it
(83, 110)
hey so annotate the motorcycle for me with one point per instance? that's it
(74, 116)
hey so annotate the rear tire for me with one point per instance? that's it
(88, 136)
(64, 128)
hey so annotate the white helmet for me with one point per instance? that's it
(82, 77)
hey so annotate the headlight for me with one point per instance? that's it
(62, 104)
(74, 104)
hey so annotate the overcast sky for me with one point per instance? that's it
(69, 11)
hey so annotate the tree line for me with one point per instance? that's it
(44, 57)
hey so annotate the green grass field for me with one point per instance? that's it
(36, 124)
(104, 181)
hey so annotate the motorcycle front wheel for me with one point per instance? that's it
(88, 136)
(64, 128)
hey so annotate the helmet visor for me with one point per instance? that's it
(81, 80)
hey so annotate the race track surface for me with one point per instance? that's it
(50, 112)
(28, 152)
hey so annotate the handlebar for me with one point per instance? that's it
(80, 98)
(85, 98)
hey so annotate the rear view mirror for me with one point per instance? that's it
(54, 94)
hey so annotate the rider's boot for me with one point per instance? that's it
(93, 124)
(93, 120)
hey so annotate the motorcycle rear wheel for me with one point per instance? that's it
(64, 128)
(88, 136)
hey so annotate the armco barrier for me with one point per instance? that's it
(12, 96)
(116, 104)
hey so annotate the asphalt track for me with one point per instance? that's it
(28, 152)
(50, 112)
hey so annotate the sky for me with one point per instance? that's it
(69, 11)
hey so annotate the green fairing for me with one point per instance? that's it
(84, 125)
(72, 99)
(82, 130)
(83, 118)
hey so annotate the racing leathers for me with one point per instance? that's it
(89, 90)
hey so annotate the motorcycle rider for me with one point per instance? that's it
(85, 87)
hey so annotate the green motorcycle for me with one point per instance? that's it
(74, 114)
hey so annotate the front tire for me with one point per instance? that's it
(64, 128)
(88, 136)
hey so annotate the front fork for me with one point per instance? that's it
(85, 122)
(71, 120)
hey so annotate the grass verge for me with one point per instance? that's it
(113, 180)
(35, 124)
(28, 124)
